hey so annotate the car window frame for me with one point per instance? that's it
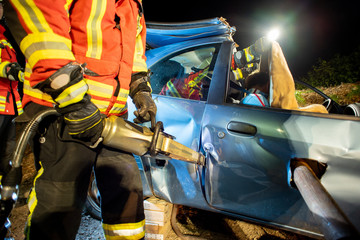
(220, 90)
(216, 45)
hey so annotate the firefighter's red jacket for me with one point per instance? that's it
(10, 102)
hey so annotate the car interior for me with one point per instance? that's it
(281, 87)
(184, 75)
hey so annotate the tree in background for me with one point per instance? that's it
(337, 70)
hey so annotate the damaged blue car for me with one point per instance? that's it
(253, 150)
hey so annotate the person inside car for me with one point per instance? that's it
(257, 85)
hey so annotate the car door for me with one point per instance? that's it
(180, 82)
(249, 149)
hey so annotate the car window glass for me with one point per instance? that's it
(186, 74)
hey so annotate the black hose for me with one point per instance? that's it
(27, 133)
(11, 181)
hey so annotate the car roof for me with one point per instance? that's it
(161, 34)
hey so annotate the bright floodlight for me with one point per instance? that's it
(273, 34)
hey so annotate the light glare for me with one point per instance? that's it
(273, 34)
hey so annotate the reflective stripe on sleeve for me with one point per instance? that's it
(43, 45)
(3, 68)
(73, 94)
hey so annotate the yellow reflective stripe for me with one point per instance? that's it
(122, 98)
(44, 45)
(3, 69)
(202, 75)
(93, 28)
(73, 94)
(97, 84)
(28, 90)
(173, 90)
(192, 84)
(6, 43)
(101, 105)
(249, 56)
(133, 237)
(98, 93)
(99, 89)
(191, 92)
(118, 108)
(238, 74)
(124, 93)
(32, 15)
(124, 230)
(50, 54)
(2, 99)
(139, 64)
(21, 76)
(32, 200)
(28, 71)
(250, 65)
(19, 107)
(44, 41)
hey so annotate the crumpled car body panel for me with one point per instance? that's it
(247, 172)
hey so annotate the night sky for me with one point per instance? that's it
(310, 29)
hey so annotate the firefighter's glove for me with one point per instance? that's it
(84, 120)
(14, 72)
(140, 92)
(66, 86)
(145, 107)
(68, 89)
(260, 46)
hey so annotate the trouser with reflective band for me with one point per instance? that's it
(7, 141)
(61, 186)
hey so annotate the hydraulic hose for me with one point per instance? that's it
(11, 181)
(28, 133)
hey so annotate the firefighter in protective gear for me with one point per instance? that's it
(10, 103)
(109, 36)
(246, 61)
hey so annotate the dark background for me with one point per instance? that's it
(310, 29)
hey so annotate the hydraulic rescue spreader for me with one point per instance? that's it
(117, 133)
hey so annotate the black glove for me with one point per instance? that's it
(145, 107)
(85, 122)
(14, 72)
(140, 92)
(68, 89)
